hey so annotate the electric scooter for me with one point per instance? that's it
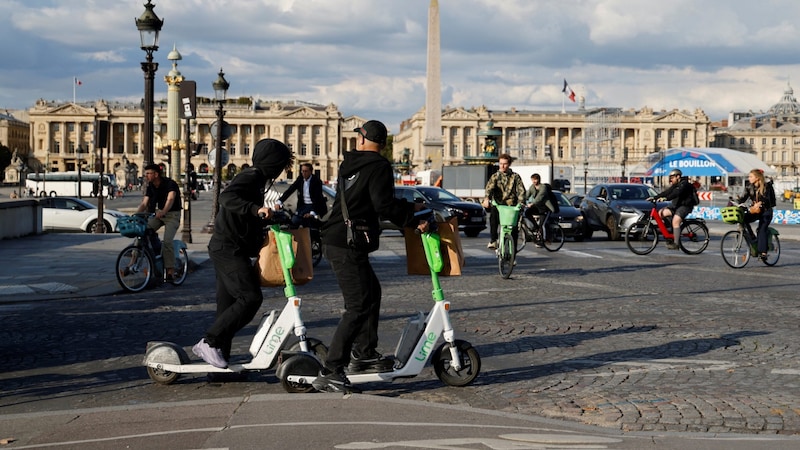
(455, 361)
(165, 361)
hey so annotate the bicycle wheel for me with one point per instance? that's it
(694, 237)
(641, 237)
(134, 268)
(525, 234)
(774, 252)
(181, 267)
(505, 255)
(554, 239)
(316, 252)
(735, 250)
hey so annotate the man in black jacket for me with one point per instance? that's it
(310, 200)
(681, 193)
(367, 183)
(238, 236)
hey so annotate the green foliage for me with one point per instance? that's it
(388, 151)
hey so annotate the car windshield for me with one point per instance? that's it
(629, 192)
(439, 195)
(562, 199)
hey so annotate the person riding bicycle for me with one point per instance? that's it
(762, 195)
(311, 205)
(539, 202)
(682, 195)
(505, 188)
(163, 199)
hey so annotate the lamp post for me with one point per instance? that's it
(220, 86)
(79, 150)
(585, 175)
(149, 25)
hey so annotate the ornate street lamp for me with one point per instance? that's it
(220, 86)
(149, 25)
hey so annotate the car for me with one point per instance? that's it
(279, 187)
(75, 214)
(570, 218)
(471, 216)
(612, 207)
(575, 200)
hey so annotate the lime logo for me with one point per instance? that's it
(430, 339)
(274, 340)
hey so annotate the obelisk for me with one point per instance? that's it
(433, 144)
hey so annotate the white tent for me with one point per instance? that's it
(706, 161)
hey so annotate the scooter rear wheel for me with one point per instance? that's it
(300, 364)
(162, 376)
(470, 364)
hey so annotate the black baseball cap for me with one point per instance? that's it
(374, 131)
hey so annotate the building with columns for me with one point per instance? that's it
(62, 134)
(611, 141)
(14, 134)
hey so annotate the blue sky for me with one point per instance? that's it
(368, 56)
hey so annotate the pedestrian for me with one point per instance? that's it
(238, 236)
(368, 185)
(762, 197)
(163, 199)
(505, 188)
(311, 205)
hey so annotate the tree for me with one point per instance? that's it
(388, 150)
(5, 161)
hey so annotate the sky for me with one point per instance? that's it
(369, 56)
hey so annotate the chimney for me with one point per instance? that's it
(773, 122)
(753, 122)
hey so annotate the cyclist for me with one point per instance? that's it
(504, 187)
(682, 195)
(540, 203)
(311, 204)
(163, 198)
(761, 193)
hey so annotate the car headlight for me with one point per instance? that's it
(454, 211)
(579, 219)
(627, 209)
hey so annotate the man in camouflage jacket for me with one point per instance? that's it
(505, 188)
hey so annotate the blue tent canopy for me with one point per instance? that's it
(709, 161)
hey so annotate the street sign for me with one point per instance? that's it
(212, 157)
(227, 130)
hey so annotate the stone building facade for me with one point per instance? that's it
(14, 134)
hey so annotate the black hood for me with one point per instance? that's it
(271, 157)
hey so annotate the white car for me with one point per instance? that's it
(74, 214)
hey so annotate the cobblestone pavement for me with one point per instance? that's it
(591, 334)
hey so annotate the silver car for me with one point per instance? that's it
(612, 207)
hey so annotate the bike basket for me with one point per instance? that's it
(509, 215)
(732, 214)
(132, 226)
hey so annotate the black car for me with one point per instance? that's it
(612, 207)
(570, 218)
(471, 216)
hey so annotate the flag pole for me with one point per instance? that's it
(563, 105)
(74, 83)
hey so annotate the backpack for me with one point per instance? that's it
(553, 199)
(695, 197)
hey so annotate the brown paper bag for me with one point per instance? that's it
(452, 253)
(269, 262)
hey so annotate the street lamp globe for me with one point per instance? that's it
(149, 26)
(220, 86)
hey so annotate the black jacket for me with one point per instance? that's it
(369, 189)
(237, 223)
(681, 193)
(314, 189)
(767, 200)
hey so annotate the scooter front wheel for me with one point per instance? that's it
(303, 365)
(470, 364)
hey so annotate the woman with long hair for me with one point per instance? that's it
(762, 197)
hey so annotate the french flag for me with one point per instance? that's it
(78, 82)
(568, 91)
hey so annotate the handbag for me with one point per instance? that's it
(361, 236)
(269, 261)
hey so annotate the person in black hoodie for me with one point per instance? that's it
(238, 236)
(367, 182)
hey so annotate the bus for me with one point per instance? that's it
(65, 184)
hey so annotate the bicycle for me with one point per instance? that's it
(739, 245)
(506, 250)
(550, 236)
(137, 262)
(642, 235)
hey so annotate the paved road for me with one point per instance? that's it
(590, 342)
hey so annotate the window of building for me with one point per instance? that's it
(135, 148)
(467, 147)
(260, 129)
(453, 150)
(56, 147)
(672, 134)
(774, 141)
(289, 130)
(783, 156)
(245, 129)
(70, 127)
(783, 141)
(246, 149)
(467, 132)
(317, 130)
(316, 149)
(135, 128)
(56, 127)
(763, 141)
(773, 156)
(741, 141)
(752, 141)
(658, 134)
(732, 141)
(303, 130)
(85, 127)
(232, 148)
(685, 134)
(303, 149)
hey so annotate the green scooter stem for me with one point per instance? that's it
(433, 254)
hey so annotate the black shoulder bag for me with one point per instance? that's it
(360, 235)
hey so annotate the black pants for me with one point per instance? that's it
(762, 230)
(238, 295)
(358, 327)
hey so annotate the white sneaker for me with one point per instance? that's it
(492, 244)
(210, 354)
